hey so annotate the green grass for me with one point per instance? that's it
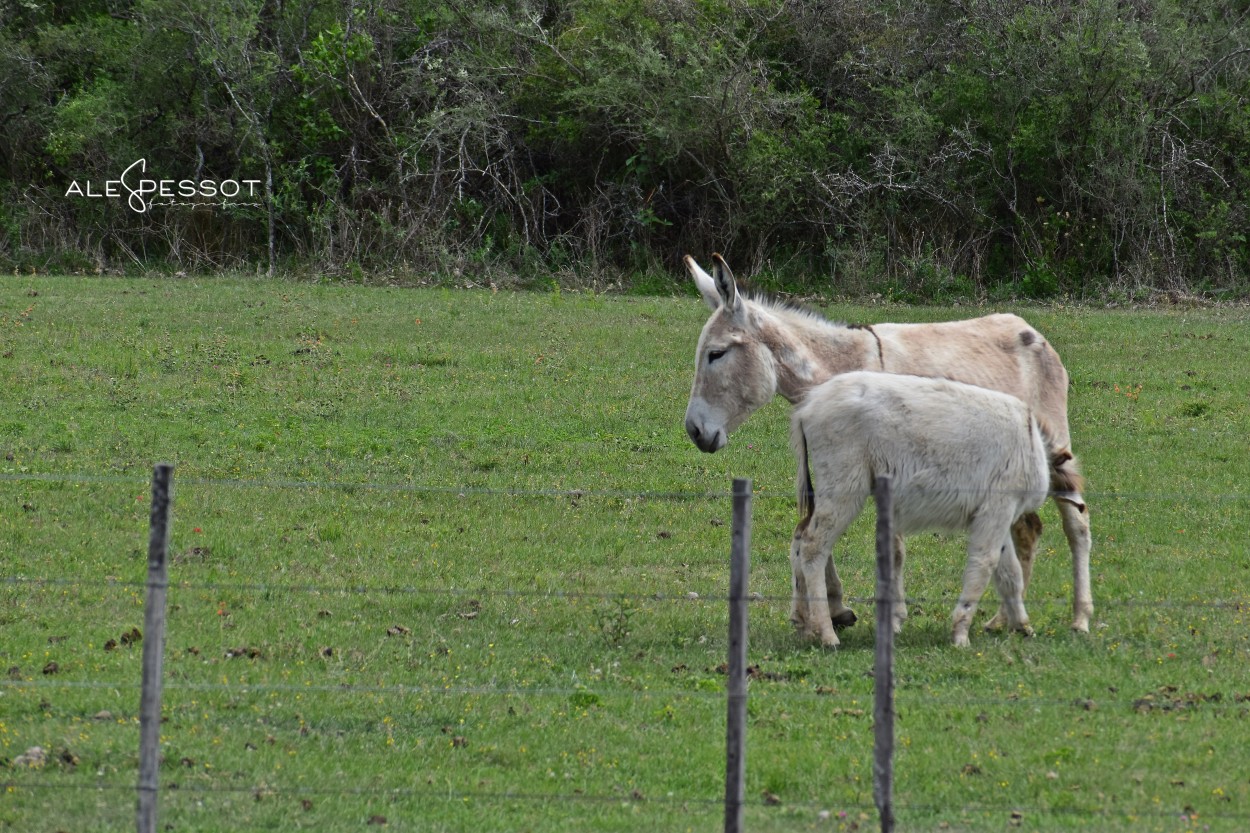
(433, 551)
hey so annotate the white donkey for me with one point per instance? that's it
(959, 457)
(751, 350)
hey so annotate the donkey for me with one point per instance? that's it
(753, 349)
(959, 457)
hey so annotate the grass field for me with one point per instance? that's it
(445, 560)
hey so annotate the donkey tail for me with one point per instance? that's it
(1066, 481)
(806, 493)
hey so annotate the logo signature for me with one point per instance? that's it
(142, 194)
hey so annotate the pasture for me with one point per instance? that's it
(446, 560)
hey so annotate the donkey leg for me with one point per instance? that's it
(813, 556)
(809, 606)
(841, 615)
(1075, 515)
(984, 551)
(818, 622)
(900, 595)
(839, 510)
(1026, 534)
(1009, 582)
(799, 616)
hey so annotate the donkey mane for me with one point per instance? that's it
(796, 310)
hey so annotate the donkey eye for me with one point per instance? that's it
(713, 355)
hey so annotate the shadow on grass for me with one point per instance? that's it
(924, 630)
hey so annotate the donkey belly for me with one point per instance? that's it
(917, 509)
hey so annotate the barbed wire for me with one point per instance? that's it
(711, 804)
(347, 485)
(575, 492)
(681, 597)
(906, 697)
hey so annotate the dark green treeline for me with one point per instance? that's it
(922, 149)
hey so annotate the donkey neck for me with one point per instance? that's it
(808, 350)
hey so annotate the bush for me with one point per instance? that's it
(986, 147)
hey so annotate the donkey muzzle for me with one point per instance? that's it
(709, 441)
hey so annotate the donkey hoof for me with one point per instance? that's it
(1025, 630)
(844, 619)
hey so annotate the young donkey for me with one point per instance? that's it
(751, 350)
(959, 457)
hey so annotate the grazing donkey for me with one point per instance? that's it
(959, 457)
(751, 350)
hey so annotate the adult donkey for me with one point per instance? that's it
(752, 349)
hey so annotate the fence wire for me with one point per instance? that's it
(1092, 495)
(485, 592)
(1012, 809)
(907, 697)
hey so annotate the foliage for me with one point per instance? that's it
(1015, 148)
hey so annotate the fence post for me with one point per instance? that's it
(883, 668)
(153, 647)
(736, 687)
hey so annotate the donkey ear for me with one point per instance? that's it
(726, 286)
(703, 281)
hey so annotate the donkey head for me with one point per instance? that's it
(735, 372)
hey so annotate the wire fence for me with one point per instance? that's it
(1236, 605)
(1094, 496)
(200, 633)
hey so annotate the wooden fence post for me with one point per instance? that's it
(736, 687)
(883, 669)
(153, 647)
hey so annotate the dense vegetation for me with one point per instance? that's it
(927, 149)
